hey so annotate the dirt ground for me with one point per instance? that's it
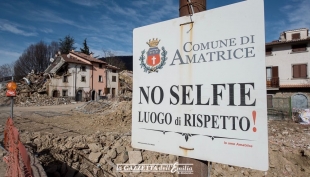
(289, 142)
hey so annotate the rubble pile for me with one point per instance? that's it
(125, 81)
(37, 99)
(98, 154)
(117, 113)
(33, 83)
(4, 101)
(108, 113)
(289, 153)
(91, 155)
(92, 107)
(31, 91)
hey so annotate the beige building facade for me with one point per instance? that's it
(288, 68)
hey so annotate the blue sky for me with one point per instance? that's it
(108, 24)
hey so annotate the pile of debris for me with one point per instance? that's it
(91, 155)
(33, 83)
(92, 107)
(31, 91)
(125, 81)
(99, 153)
(37, 99)
(109, 112)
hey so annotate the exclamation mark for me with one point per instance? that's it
(254, 119)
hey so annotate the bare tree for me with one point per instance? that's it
(35, 57)
(108, 53)
(112, 59)
(53, 48)
(6, 70)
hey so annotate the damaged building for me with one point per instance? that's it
(81, 77)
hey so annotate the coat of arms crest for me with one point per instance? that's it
(155, 60)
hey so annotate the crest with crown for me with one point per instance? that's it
(155, 58)
(153, 42)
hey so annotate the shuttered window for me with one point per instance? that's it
(268, 51)
(296, 36)
(299, 47)
(300, 71)
(113, 78)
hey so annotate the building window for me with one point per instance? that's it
(295, 36)
(83, 79)
(100, 65)
(272, 76)
(100, 79)
(64, 92)
(113, 78)
(300, 71)
(299, 48)
(113, 70)
(83, 68)
(100, 92)
(65, 79)
(268, 51)
(107, 90)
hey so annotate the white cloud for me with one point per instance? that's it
(49, 16)
(88, 3)
(297, 15)
(47, 30)
(140, 3)
(53, 17)
(7, 57)
(14, 28)
(9, 53)
(127, 12)
(287, 7)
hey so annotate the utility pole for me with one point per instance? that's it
(189, 7)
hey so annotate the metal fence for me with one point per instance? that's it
(280, 109)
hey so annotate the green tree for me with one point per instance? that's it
(85, 48)
(66, 44)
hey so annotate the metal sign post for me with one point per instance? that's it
(11, 92)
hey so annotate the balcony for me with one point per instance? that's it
(273, 82)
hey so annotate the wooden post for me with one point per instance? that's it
(185, 9)
(200, 168)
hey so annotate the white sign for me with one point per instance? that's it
(199, 87)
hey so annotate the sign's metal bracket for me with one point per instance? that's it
(189, 3)
(186, 23)
(190, 6)
(190, 149)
